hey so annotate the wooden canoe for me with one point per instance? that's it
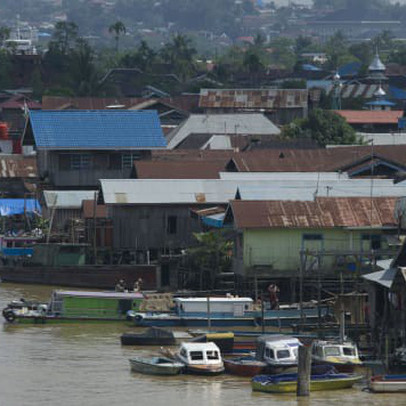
(155, 366)
(388, 383)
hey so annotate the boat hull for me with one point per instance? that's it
(245, 367)
(275, 318)
(204, 369)
(388, 384)
(153, 367)
(315, 385)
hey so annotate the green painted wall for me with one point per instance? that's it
(280, 248)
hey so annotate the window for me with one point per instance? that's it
(80, 161)
(283, 354)
(332, 351)
(269, 353)
(127, 159)
(183, 353)
(211, 355)
(196, 355)
(371, 242)
(171, 226)
(312, 237)
(349, 352)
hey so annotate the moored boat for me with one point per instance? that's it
(285, 383)
(279, 352)
(153, 336)
(156, 366)
(200, 358)
(388, 383)
(224, 312)
(343, 355)
(73, 306)
(245, 366)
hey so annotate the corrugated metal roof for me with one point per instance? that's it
(97, 129)
(295, 176)
(314, 160)
(179, 169)
(67, 199)
(384, 278)
(322, 213)
(221, 124)
(179, 191)
(371, 116)
(252, 99)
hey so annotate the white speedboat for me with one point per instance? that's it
(201, 358)
(280, 352)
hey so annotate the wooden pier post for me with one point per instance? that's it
(304, 371)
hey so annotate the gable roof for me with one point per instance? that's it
(220, 124)
(67, 199)
(323, 212)
(96, 129)
(314, 160)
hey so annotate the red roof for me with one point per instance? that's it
(370, 116)
(324, 212)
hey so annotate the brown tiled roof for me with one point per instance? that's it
(18, 166)
(313, 160)
(324, 212)
(179, 169)
(370, 116)
(267, 99)
(88, 209)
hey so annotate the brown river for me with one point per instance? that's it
(85, 364)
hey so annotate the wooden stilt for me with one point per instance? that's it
(304, 370)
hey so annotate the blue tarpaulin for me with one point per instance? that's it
(9, 207)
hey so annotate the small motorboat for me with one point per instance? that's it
(280, 352)
(153, 336)
(156, 365)
(200, 358)
(343, 355)
(285, 383)
(388, 383)
(245, 366)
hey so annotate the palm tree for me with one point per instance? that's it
(180, 55)
(118, 28)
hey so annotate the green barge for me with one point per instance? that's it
(73, 306)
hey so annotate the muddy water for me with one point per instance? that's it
(51, 365)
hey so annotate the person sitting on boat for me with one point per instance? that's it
(273, 296)
(138, 285)
(120, 287)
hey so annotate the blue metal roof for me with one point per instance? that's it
(350, 69)
(97, 129)
(397, 93)
(309, 67)
(381, 103)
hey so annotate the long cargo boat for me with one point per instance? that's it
(72, 306)
(224, 312)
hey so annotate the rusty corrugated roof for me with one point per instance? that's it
(17, 166)
(324, 212)
(179, 169)
(314, 160)
(370, 116)
(267, 99)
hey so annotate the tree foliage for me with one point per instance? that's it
(323, 126)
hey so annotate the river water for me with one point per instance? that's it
(84, 364)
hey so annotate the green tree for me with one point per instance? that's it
(63, 38)
(180, 54)
(118, 29)
(213, 253)
(4, 35)
(82, 69)
(323, 126)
